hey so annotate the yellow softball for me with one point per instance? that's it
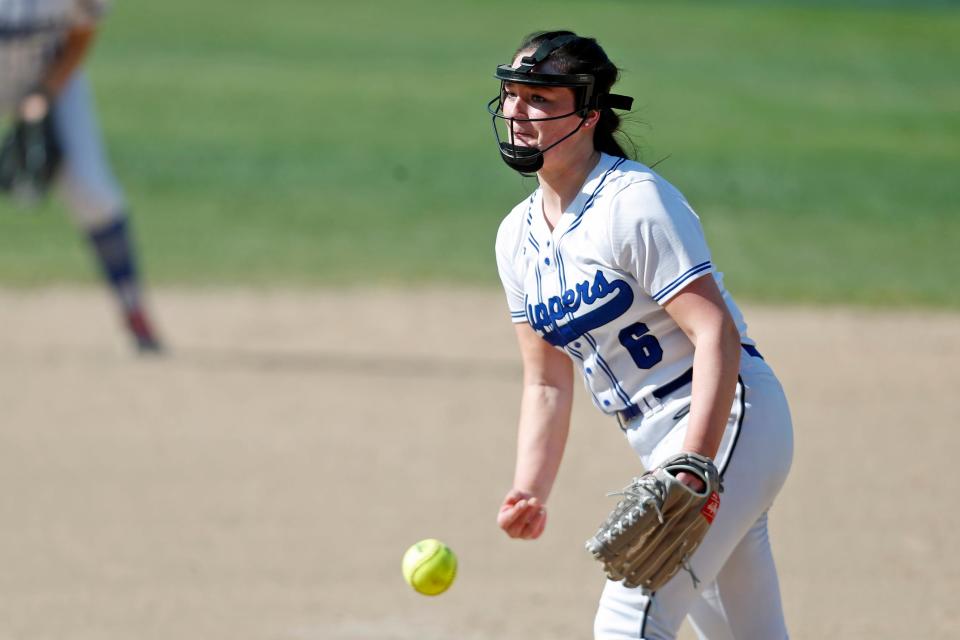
(429, 567)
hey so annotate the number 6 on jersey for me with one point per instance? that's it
(644, 348)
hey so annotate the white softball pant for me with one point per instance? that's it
(738, 597)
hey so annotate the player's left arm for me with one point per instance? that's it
(699, 309)
(76, 45)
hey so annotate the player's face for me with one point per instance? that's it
(524, 101)
(528, 102)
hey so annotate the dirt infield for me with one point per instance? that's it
(264, 480)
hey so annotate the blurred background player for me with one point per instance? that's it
(43, 44)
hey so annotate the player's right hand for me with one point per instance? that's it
(522, 515)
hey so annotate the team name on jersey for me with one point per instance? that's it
(544, 316)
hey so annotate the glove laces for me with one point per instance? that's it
(647, 491)
(685, 563)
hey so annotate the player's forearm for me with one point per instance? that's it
(716, 364)
(76, 45)
(542, 437)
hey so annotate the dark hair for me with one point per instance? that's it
(585, 55)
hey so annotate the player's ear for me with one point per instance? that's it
(593, 116)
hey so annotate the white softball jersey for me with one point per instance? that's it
(595, 285)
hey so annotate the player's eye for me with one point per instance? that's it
(536, 98)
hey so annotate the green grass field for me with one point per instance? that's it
(304, 142)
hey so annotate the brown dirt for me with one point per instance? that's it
(264, 480)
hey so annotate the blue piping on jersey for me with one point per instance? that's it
(703, 266)
(530, 238)
(579, 356)
(586, 205)
(592, 198)
(528, 307)
(539, 284)
(618, 388)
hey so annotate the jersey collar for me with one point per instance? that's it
(579, 204)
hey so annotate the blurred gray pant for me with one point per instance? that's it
(86, 180)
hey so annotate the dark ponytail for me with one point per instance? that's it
(604, 136)
(585, 55)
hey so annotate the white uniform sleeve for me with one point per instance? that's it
(656, 236)
(508, 261)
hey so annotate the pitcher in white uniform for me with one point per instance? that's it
(606, 271)
(42, 47)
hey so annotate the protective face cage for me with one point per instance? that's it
(529, 160)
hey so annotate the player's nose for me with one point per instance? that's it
(515, 108)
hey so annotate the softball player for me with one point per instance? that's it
(606, 271)
(42, 46)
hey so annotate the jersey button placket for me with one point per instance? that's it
(547, 263)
